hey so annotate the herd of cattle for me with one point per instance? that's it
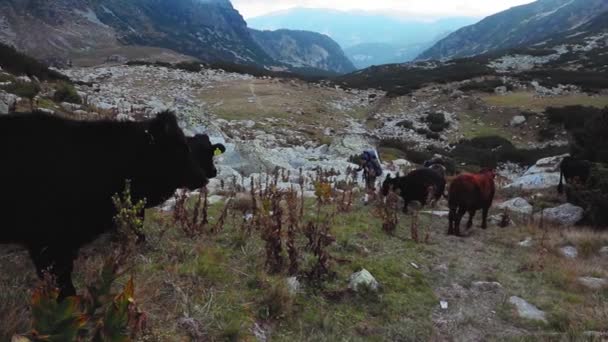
(59, 176)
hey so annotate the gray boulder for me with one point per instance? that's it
(517, 205)
(593, 283)
(564, 215)
(518, 120)
(527, 310)
(569, 252)
(7, 102)
(363, 279)
(543, 175)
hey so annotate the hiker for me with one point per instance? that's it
(370, 165)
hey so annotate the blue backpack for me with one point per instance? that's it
(372, 161)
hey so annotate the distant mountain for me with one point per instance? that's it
(574, 57)
(301, 49)
(367, 38)
(516, 27)
(210, 30)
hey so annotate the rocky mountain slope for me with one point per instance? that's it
(575, 58)
(303, 49)
(210, 30)
(518, 26)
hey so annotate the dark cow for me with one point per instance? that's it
(469, 193)
(203, 152)
(573, 171)
(418, 185)
(59, 175)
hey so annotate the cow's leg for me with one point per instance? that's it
(484, 218)
(459, 216)
(451, 219)
(59, 263)
(471, 216)
(405, 204)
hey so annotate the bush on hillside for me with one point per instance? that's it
(18, 63)
(489, 151)
(571, 117)
(27, 90)
(66, 92)
(590, 142)
(417, 157)
(487, 86)
(593, 197)
(190, 66)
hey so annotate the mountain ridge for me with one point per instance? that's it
(515, 27)
(210, 30)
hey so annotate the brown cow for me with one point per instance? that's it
(469, 193)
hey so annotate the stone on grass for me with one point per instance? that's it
(528, 242)
(293, 285)
(569, 252)
(517, 205)
(564, 215)
(518, 121)
(604, 251)
(527, 310)
(486, 286)
(363, 279)
(593, 283)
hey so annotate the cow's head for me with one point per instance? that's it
(171, 154)
(389, 184)
(203, 152)
(489, 173)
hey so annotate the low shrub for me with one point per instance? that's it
(486, 86)
(418, 157)
(406, 124)
(66, 92)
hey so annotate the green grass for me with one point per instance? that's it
(528, 101)
(239, 292)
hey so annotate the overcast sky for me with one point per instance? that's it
(404, 8)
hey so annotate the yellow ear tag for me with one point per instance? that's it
(217, 152)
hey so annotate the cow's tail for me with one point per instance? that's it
(560, 187)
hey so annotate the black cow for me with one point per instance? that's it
(203, 152)
(416, 186)
(58, 177)
(573, 170)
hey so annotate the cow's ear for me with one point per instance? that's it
(218, 149)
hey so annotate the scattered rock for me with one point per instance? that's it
(501, 220)
(484, 286)
(517, 205)
(7, 102)
(564, 215)
(117, 59)
(527, 310)
(363, 278)
(293, 285)
(502, 90)
(443, 304)
(543, 175)
(569, 252)
(518, 121)
(593, 283)
(70, 106)
(528, 242)
(437, 213)
(442, 268)
(604, 251)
